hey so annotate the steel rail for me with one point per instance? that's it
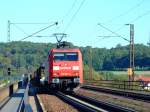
(78, 104)
(105, 105)
(127, 94)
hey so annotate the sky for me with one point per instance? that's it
(82, 20)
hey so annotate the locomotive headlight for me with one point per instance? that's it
(75, 68)
(76, 80)
(55, 80)
(55, 67)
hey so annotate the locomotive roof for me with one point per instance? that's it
(65, 50)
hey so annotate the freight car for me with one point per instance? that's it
(38, 77)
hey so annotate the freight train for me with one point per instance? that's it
(63, 69)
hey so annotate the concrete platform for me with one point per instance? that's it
(15, 100)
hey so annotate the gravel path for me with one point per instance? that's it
(137, 105)
(54, 104)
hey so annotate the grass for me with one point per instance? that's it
(121, 75)
(144, 73)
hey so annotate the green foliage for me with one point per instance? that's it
(120, 77)
(86, 72)
(95, 75)
(27, 55)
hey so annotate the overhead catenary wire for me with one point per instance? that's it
(118, 35)
(104, 37)
(70, 9)
(132, 21)
(30, 23)
(39, 36)
(135, 19)
(73, 17)
(16, 25)
(140, 16)
(20, 29)
(66, 15)
(126, 12)
(56, 23)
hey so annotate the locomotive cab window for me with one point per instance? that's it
(72, 56)
(67, 56)
(59, 56)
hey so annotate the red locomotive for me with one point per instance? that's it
(65, 68)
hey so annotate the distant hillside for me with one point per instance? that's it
(30, 55)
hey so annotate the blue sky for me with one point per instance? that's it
(83, 29)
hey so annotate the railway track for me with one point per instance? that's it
(82, 103)
(88, 104)
(127, 94)
(79, 104)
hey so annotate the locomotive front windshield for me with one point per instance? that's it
(65, 56)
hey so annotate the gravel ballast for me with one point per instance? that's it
(52, 103)
(130, 103)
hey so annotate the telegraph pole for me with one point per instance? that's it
(131, 51)
(32, 35)
(90, 64)
(8, 39)
(8, 31)
(132, 48)
(131, 77)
